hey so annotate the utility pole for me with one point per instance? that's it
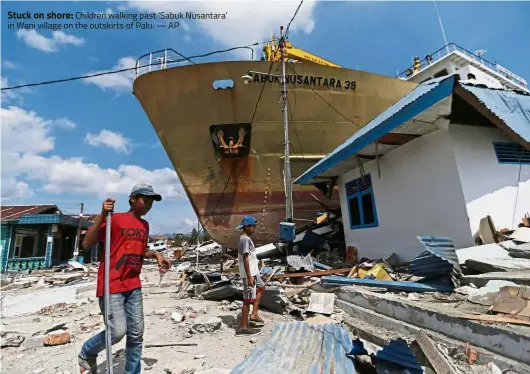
(287, 162)
(78, 238)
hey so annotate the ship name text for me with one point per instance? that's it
(307, 80)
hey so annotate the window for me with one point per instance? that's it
(26, 243)
(441, 73)
(511, 153)
(361, 203)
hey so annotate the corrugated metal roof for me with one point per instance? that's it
(10, 212)
(301, 348)
(438, 260)
(512, 107)
(399, 352)
(382, 125)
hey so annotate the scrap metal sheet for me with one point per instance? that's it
(301, 348)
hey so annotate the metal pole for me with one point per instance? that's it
(197, 249)
(107, 294)
(78, 238)
(441, 26)
(287, 163)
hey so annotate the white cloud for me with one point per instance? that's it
(24, 132)
(118, 81)
(107, 138)
(188, 222)
(13, 189)
(65, 123)
(26, 139)
(35, 40)
(246, 22)
(9, 65)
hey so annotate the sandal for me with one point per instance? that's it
(256, 322)
(89, 365)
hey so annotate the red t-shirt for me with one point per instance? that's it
(128, 243)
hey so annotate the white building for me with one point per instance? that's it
(435, 163)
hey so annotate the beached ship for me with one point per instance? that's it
(224, 134)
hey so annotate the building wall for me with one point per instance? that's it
(489, 188)
(419, 193)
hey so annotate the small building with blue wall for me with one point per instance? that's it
(37, 237)
(437, 162)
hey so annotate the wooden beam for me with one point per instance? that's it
(368, 157)
(394, 138)
(437, 360)
(498, 318)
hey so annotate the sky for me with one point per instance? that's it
(84, 140)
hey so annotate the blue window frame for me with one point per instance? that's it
(511, 153)
(361, 203)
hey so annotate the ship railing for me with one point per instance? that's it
(159, 60)
(450, 48)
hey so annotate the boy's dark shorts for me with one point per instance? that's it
(249, 293)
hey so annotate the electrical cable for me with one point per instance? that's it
(518, 184)
(331, 106)
(251, 121)
(292, 19)
(128, 69)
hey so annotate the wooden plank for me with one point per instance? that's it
(437, 360)
(312, 273)
(496, 318)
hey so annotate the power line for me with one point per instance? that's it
(134, 68)
(329, 104)
(292, 19)
(251, 121)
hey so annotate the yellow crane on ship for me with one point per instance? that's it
(271, 52)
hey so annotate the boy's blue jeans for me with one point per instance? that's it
(126, 317)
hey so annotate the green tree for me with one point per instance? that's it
(179, 238)
(193, 236)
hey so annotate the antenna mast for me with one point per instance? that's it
(441, 26)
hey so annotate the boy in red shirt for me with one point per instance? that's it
(128, 248)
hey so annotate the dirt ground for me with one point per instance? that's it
(219, 349)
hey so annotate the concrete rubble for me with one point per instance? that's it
(453, 319)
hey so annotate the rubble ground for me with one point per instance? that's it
(217, 346)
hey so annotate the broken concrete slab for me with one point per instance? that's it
(378, 329)
(34, 342)
(480, 280)
(11, 340)
(507, 341)
(521, 251)
(490, 264)
(494, 250)
(221, 293)
(177, 317)
(190, 366)
(522, 234)
(207, 324)
(486, 295)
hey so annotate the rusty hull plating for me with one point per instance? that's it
(209, 139)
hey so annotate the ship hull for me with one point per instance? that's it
(187, 113)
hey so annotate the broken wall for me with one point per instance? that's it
(419, 193)
(490, 188)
